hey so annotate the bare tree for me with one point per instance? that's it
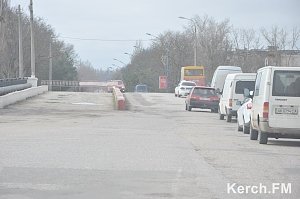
(295, 36)
(276, 38)
(64, 54)
(215, 43)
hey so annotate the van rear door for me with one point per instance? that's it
(238, 93)
(284, 101)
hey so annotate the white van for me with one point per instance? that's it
(220, 74)
(233, 93)
(276, 102)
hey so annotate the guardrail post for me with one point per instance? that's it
(33, 81)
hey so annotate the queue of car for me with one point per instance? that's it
(266, 104)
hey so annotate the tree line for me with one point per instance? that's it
(217, 42)
(63, 53)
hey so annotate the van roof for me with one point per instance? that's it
(236, 75)
(280, 68)
(229, 68)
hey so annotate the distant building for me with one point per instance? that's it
(251, 60)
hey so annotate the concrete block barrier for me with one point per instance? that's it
(119, 99)
(17, 96)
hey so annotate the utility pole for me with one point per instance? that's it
(1, 21)
(50, 64)
(21, 67)
(1, 12)
(32, 41)
(195, 37)
(195, 44)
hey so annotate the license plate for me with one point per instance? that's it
(286, 111)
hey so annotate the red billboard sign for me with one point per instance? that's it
(163, 82)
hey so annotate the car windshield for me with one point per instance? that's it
(286, 83)
(242, 85)
(193, 72)
(188, 84)
(204, 92)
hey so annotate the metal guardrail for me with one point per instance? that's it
(11, 82)
(12, 85)
(9, 89)
(61, 83)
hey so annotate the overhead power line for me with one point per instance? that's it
(102, 40)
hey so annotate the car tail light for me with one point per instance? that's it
(194, 97)
(214, 98)
(266, 110)
(249, 106)
(230, 102)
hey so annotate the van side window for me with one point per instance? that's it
(257, 84)
(240, 86)
(286, 83)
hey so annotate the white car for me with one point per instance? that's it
(244, 115)
(184, 88)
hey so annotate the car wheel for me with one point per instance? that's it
(175, 95)
(186, 107)
(263, 137)
(239, 128)
(221, 116)
(246, 129)
(253, 133)
(229, 117)
(189, 108)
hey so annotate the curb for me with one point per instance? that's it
(119, 99)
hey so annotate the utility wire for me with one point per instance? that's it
(102, 40)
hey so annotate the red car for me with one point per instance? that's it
(202, 97)
(115, 83)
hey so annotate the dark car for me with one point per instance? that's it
(202, 97)
(141, 88)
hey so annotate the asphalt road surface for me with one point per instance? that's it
(75, 145)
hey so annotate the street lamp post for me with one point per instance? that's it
(21, 65)
(119, 61)
(32, 41)
(195, 38)
(109, 71)
(118, 67)
(128, 54)
(50, 64)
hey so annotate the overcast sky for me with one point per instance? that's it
(131, 19)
